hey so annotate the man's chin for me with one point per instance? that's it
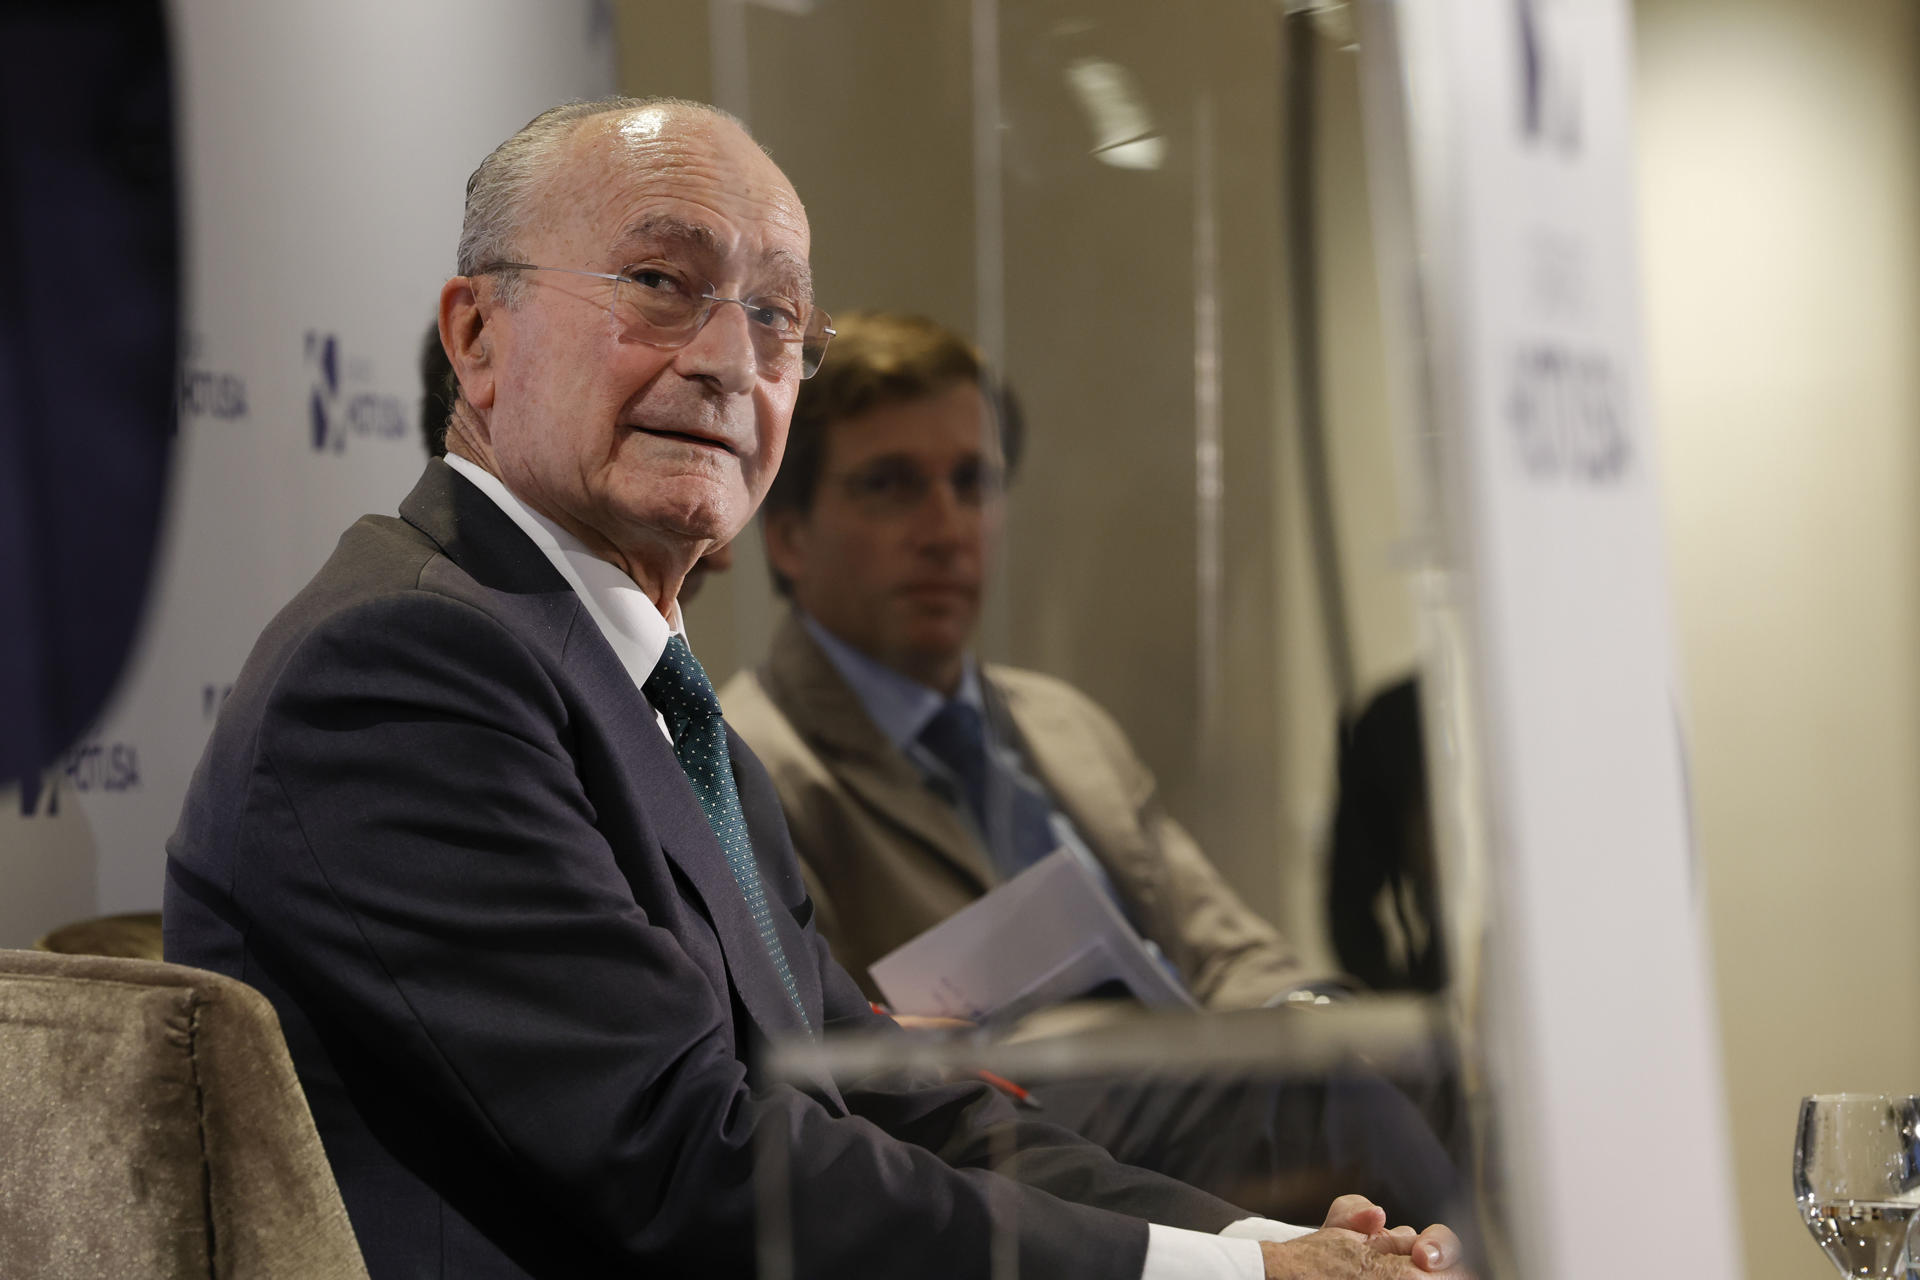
(937, 642)
(688, 510)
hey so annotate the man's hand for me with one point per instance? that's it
(1354, 1242)
(1356, 1213)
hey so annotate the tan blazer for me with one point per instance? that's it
(886, 857)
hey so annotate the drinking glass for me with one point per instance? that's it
(1856, 1177)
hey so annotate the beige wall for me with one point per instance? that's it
(1363, 470)
(1780, 194)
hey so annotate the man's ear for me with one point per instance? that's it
(463, 332)
(785, 531)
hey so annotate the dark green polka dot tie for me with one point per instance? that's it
(680, 691)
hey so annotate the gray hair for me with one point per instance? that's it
(507, 182)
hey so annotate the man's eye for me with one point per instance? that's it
(884, 484)
(975, 482)
(654, 280)
(774, 316)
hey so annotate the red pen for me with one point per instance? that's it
(1009, 1088)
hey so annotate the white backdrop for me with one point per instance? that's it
(325, 147)
(1580, 949)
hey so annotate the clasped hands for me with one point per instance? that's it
(1354, 1242)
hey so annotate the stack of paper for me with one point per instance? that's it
(1050, 934)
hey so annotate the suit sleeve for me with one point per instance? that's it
(1230, 956)
(421, 858)
(1234, 958)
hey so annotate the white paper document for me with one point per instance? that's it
(1050, 934)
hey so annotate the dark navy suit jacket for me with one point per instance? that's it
(439, 827)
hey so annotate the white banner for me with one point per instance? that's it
(325, 151)
(1581, 942)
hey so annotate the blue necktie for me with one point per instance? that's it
(680, 691)
(1018, 825)
(1015, 820)
(957, 738)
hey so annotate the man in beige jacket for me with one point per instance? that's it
(915, 778)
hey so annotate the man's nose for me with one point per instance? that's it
(722, 352)
(945, 522)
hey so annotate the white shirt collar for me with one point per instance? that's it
(625, 614)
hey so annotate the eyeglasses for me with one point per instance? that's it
(663, 308)
(897, 487)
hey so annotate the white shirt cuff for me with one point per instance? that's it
(1174, 1253)
(1265, 1229)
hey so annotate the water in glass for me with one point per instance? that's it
(1856, 1177)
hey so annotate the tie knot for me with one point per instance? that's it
(956, 735)
(679, 688)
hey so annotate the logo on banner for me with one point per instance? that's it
(1569, 414)
(209, 393)
(37, 789)
(1549, 77)
(92, 766)
(341, 405)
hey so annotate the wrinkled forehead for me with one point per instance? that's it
(685, 183)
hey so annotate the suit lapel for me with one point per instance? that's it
(779, 867)
(686, 838)
(780, 873)
(688, 841)
(802, 681)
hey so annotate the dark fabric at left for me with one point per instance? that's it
(89, 301)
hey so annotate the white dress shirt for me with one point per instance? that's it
(638, 632)
(625, 614)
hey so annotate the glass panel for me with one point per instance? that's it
(1156, 233)
(1158, 1083)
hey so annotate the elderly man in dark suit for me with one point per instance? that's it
(472, 821)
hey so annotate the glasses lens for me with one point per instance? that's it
(664, 315)
(813, 343)
(669, 317)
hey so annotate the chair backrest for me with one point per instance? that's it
(151, 1125)
(136, 936)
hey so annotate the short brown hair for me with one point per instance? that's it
(880, 358)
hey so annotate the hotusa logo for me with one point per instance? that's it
(91, 766)
(340, 403)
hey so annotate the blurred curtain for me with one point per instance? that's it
(88, 317)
